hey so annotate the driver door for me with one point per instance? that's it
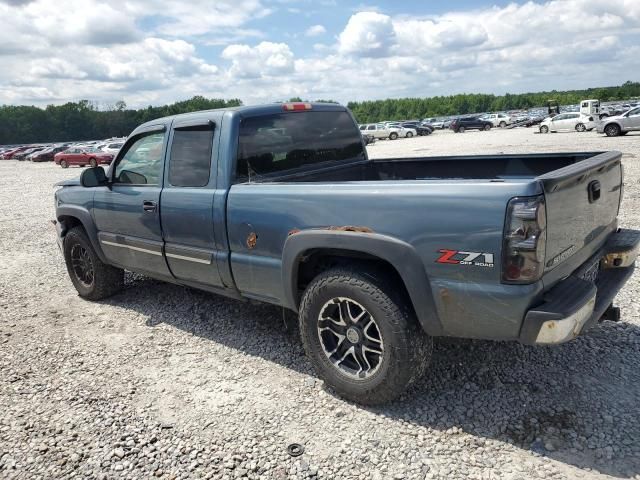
(127, 213)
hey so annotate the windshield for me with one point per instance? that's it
(285, 141)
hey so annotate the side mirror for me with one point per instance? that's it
(93, 177)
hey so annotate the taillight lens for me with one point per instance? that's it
(525, 238)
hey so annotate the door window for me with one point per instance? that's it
(634, 113)
(190, 161)
(142, 162)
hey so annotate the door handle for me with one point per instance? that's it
(149, 206)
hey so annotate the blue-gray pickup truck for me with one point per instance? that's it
(280, 204)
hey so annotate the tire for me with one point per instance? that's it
(544, 129)
(612, 130)
(503, 124)
(581, 127)
(487, 127)
(460, 130)
(405, 350)
(393, 136)
(93, 162)
(64, 164)
(409, 134)
(93, 279)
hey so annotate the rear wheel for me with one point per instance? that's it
(487, 127)
(544, 129)
(64, 164)
(361, 335)
(409, 134)
(612, 130)
(580, 127)
(393, 136)
(93, 279)
(93, 162)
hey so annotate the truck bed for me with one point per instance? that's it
(487, 167)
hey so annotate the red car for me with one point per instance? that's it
(8, 155)
(82, 157)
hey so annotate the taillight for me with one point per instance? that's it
(525, 238)
(295, 107)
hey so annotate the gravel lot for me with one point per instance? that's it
(170, 382)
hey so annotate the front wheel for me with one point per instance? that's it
(361, 335)
(487, 127)
(93, 162)
(393, 136)
(580, 127)
(544, 129)
(64, 164)
(93, 279)
(503, 124)
(409, 134)
(460, 129)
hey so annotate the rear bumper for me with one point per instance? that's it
(576, 303)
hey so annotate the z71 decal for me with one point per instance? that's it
(456, 257)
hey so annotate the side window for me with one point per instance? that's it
(371, 127)
(190, 162)
(142, 162)
(634, 113)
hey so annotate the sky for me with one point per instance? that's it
(153, 52)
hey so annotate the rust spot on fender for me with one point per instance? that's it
(252, 239)
(333, 228)
(351, 228)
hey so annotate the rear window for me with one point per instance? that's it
(275, 143)
(190, 161)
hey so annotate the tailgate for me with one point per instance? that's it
(582, 203)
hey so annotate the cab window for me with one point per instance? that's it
(141, 164)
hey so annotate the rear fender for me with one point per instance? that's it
(399, 254)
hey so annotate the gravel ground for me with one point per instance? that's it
(170, 382)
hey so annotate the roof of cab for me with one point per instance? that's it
(249, 110)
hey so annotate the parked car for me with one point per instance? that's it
(567, 122)
(620, 124)
(421, 129)
(368, 139)
(460, 125)
(113, 147)
(498, 119)
(46, 154)
(434, 122)
(9, 154)
(82, 157)
(380, 130)
(530, 258)
(25, 153)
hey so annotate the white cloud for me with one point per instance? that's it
(158, 51)
(367, 34)
(315, 30)
(264, 60)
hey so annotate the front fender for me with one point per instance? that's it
(399, 254)
(84, 217)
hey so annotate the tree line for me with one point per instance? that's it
(84, 120)
(417, 108)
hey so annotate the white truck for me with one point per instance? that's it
(380, 130)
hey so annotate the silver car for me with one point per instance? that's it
(620, 124)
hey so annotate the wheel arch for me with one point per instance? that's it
(387, 252)
(70, 216)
